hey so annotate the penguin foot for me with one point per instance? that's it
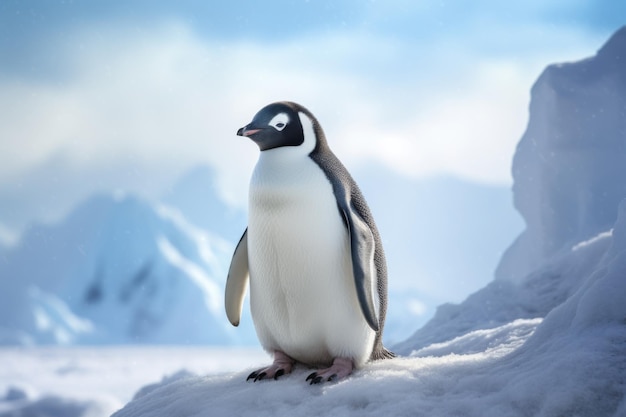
(341, 368)
(282, 365)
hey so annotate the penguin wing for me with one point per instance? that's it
(362, 247)
(238, 275)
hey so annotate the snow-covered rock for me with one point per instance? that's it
(116, 270)
(569, 169)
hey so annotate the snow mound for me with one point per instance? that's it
(502, 302)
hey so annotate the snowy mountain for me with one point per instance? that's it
(546, 338)
(116, 270)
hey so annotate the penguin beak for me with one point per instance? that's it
(245, 131)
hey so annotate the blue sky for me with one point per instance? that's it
(100, 95)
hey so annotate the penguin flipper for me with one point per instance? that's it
(238, 275)
(362, 247)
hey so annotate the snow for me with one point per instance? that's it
(86, 381)
(53, 316)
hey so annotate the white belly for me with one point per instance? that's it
(302, 290)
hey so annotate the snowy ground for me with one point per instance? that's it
(566, 377)
(94, 382)
(511, 370)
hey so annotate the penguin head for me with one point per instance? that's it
(279, 124)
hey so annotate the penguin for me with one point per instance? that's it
(311, 253)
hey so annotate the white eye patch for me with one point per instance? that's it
(279, 122)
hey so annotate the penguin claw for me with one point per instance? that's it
(282, 365)
(257, 376)
(340, 368)
(316, 380)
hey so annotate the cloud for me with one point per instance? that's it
(7, 236)
(166, 99)
(468, 132)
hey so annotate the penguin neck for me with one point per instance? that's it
(285, 155)
(281, 177)
(278, 167)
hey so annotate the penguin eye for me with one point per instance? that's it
(279, 122)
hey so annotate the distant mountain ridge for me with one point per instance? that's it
(117, 270)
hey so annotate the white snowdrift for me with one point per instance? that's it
(55, 381)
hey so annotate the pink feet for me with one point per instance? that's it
(282, 365)
(341, 368)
